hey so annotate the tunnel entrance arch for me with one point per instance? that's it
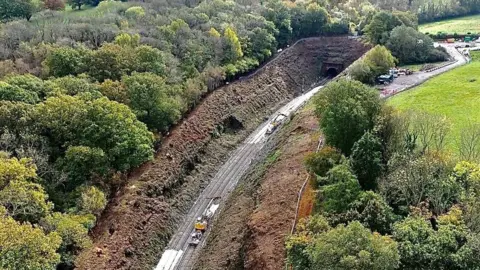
(331, 69)
(331, 72)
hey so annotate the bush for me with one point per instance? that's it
(135, 12)
(321, 162)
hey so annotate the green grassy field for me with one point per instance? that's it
(460, 25)
(455, 94)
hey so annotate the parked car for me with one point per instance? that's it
(385, 79)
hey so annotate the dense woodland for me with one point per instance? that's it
(88, 87)
(86, 92)
(389, 195)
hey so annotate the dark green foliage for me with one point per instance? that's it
(309, 21)
(366, 160)
(66, 61)
(154, 102)
(378, 30)
(353, 247)
(410, 46)
(14, 93)
(72, 121)
(321, 162)
(341, 189)
(81, 163)
(346, 110)
(447, 247)
(29, 83)
(10, 9)
(374, 212)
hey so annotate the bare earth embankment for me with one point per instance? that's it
(251, 230)
(139, 221)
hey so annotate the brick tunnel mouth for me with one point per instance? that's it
(332, 72)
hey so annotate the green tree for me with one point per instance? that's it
(99, 123)
(14, 93)
(127, 40)
(150, 59)
(82, 163)
(308, 20)
(152, 100)
(28, 83)
(360, 70)
(25, 247)
(65, 61)
(341, 191)
(16, 9)
(114, 90)
(263, 44)
(410, 46)
(111, 61)
(346, 110)
(353, 247)
(366, 160)
(13, 169)
(380, 60)
(374, 212)
(77, 3)
(135, 12)
(70, 85)
(92, 201)
(378, 30)
(423, 247)
(233, 48)
(25, 201)
(73, 230)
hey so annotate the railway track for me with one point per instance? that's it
(179, 254)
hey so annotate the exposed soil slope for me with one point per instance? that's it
(251, 230)
(138, 222)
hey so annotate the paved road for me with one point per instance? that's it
(178, 254)
(403, 83)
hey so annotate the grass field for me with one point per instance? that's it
(455, 94)
(460, 25)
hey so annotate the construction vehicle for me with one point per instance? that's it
(277, 121)
(201, 224)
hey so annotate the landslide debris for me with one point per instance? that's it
(138, 222)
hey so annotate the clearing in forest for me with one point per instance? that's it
(455, 94)
(461, 25)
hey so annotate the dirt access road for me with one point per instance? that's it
(179, 255)
(403, 83)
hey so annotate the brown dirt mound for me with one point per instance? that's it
(139, 221)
